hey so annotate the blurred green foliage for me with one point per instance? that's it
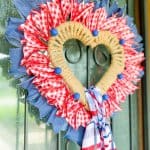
(7, 10)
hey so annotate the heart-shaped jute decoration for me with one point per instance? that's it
(74, 30)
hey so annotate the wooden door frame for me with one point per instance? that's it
(142, 15)
(145, 7)
(142, 19)
(138, 19)
(136, 11)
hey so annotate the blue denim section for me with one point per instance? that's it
(139, 46)
(75, 135)
(25, 6)
(13, 35)
(15, 57)
(115, 9)
(49, 112)
(101, 3)
(59, 124)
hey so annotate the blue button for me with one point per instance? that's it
(54, 32)
(105, 97)
(120, 76)
(95, 32)
(76, 96)
(58, 70)
(122, 41)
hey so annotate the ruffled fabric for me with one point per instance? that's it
(36, 34)
(51, 86)
(46, 111)
(30, 62)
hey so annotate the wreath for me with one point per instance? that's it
(38, 61)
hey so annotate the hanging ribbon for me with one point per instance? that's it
(98, 134)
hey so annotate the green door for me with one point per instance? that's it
(20, 127)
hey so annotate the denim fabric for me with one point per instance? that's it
(138, 38)
(13, 35)
(102, 3)
(114, 8)
(75, 135)
(58, 124)
(15, 57)
(49, 112)
(25, 6)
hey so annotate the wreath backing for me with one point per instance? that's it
(39, 63)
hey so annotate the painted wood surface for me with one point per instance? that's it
(146, 25)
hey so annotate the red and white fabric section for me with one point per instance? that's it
(96, 140)
(91, 138)
(98, 134)
(36, 31)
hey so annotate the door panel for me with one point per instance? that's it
(37, 134)
(76, 57)
(19, 122)
(146, 85)
(11, 117)
(121, 128)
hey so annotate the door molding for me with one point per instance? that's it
(146, 83)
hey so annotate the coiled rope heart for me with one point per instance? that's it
(39, 63)
(74, 30)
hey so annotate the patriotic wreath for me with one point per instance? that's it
(38, 61)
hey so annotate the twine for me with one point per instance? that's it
(74, 30)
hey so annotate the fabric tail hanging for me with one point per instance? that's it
(98, 135)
